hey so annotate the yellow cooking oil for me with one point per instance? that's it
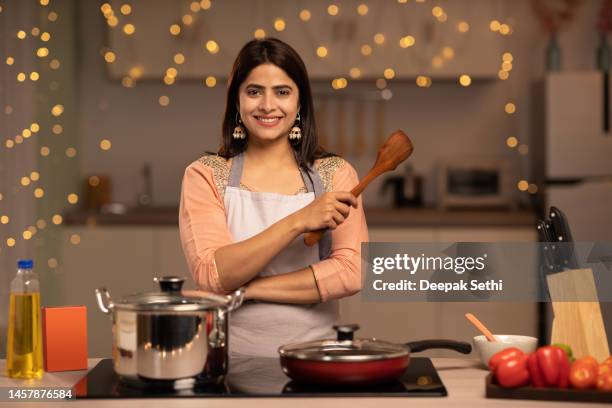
(24, 344)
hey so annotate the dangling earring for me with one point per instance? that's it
(296, 132)
(239, 132)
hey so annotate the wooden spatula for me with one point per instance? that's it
(480, 326)
(395, 150)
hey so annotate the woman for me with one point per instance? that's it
(244, 211)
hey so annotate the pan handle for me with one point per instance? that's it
(422, 345)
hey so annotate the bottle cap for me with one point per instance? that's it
(25, 264)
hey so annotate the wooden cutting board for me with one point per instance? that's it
(577, 324)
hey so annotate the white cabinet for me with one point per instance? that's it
(123, 259)
(169, 254)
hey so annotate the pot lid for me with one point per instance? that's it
(171, 299)
(344, 348)
(170, 302)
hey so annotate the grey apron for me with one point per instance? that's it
(259, 328)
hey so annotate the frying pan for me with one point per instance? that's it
(349, 361)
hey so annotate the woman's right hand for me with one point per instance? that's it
(327, 211)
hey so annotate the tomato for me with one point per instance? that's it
(513, 372)
(607, 361)
(505, 354)
(589, 361)
(583, 375)
(604, 381)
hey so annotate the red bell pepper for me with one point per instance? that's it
(549, 367)
(505, 354)
(513, 372)
(548, 364)
(564, 368)
(537, 380)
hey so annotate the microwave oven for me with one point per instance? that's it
(475, 182)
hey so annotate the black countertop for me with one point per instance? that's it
(375, 216)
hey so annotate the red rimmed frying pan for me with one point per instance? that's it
(349, 361)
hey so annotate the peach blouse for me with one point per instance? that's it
(203, 227)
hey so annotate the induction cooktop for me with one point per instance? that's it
(258, 377)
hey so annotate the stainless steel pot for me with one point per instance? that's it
(168, 336)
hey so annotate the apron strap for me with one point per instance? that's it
(317, 184)
(308, 181)
(313, 184)
(236, 171)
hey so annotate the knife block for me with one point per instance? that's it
(577, 324)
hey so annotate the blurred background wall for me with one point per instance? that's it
(87, 112)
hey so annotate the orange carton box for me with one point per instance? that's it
(64, 338)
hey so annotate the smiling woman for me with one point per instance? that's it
(244, 211)
(269, 102)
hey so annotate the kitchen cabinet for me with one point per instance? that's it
(171, 260)
(122, 259)
(126, 258)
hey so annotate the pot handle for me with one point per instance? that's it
(105, 303)
(422, 345)
(235, 299)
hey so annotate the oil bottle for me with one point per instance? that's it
(24, 341)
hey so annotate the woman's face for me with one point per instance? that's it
(269, 101)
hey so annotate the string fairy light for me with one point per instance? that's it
(355, 72)
(465, 80)
(210, 81)
(105, 144)
(305, 15)
(279, 24)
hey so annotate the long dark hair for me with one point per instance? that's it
(274, 51)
